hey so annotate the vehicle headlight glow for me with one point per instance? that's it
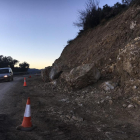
(5, 76)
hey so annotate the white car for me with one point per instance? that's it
(6, 74)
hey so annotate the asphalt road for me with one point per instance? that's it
(6, 87)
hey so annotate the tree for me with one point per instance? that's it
(7, 61)
(106, 11)
(89, 18)
(24, 66)
(93, 15)
(127, 2)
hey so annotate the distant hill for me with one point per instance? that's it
(32, 71)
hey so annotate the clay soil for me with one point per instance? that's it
(62, 114)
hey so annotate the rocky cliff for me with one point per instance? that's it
(101, 46)
(98, 77)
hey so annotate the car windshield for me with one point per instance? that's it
(4, 71)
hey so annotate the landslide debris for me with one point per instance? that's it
(110, 105)
(101, 45)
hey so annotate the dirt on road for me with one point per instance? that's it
(62, 114)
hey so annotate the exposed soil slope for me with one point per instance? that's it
(101, 45)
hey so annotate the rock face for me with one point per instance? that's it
(128, 61)
(55, 72)
(101, 45)
(45, 74)
(82, 76)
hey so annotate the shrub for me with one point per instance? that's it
(93, 15)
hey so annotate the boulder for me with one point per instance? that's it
(128, 61)
(45, 74)
(82, 76)
(55, 72)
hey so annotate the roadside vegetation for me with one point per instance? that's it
(8, 61)
(93, 15)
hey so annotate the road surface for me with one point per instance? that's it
(5, 87)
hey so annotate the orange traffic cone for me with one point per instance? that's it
(30, 76)
(26, 124)
(25, 85)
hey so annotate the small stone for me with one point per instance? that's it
(98, 102)
(77, 118)
(63, 100)
(82, 96)
(109, 85)
(134, 87)
(110, 102)
(124, 105)
(68, 116)
(130, 106)
(74, 118)
(102, 101)
(108, 97)
(80, 104)
(139, 102)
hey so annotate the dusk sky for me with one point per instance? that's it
(36, 31)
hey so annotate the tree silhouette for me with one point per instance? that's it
(93, 15)
(24, 66)
(7, 61)
(127, 2)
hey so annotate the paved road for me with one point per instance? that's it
(5, 87)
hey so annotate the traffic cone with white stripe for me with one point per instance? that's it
(25, 85)
(26, 124)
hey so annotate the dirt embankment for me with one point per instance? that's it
(101, 45)
(108, 109)
(62, 114)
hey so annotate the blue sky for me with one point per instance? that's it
(36, 31)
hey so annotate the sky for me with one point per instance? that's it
(36, 31)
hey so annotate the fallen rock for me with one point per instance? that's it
(54, 83)
(134, 87)
(77, 118)
(45, 74)
(82, 76)
(136, 100)
(108, 97)
(132, 25)
(130, 106)
(63, 100)
(55, 72)
(124, 105)
(109, 85)
(68, 116)
(110, 102)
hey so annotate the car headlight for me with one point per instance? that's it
(5, 76)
